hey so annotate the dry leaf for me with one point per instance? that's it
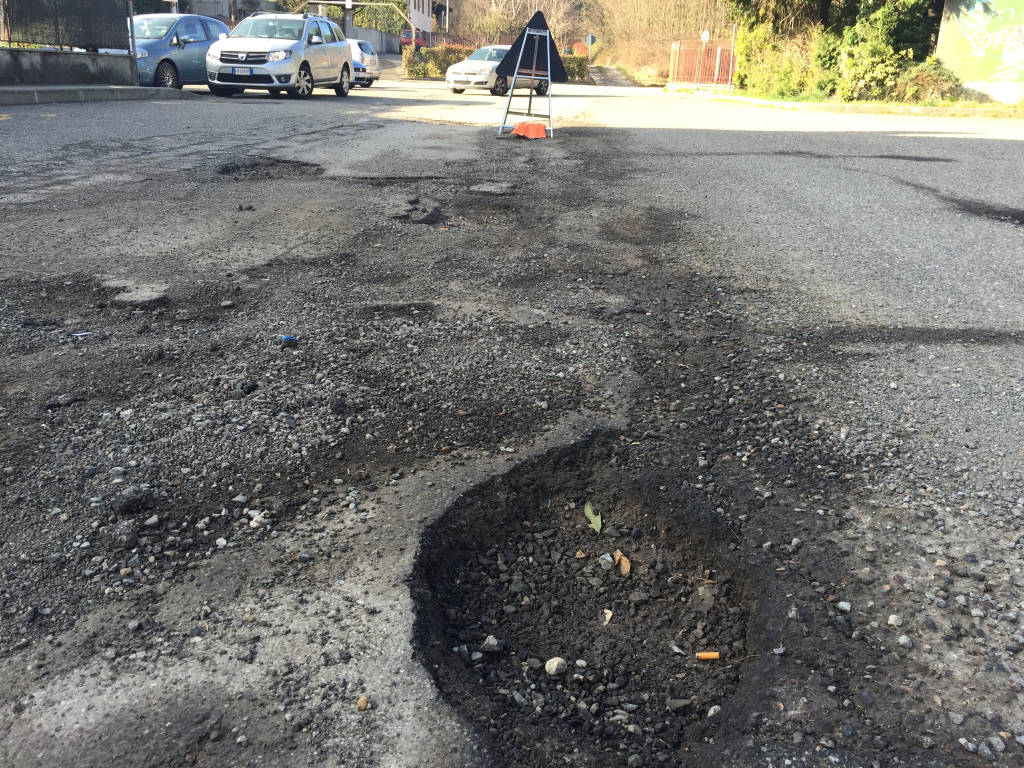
(623, 562)
(579, 554)
(607, 616)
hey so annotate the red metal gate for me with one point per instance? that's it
(710, 63)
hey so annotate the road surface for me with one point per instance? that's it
(302, 402)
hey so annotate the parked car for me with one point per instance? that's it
(406, 38)
(478, 71)
(171, 47)
(277, 52)
(366, 67)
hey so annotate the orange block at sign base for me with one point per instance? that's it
(530, 130)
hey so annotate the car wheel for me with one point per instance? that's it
(303, 83)
(167, 76)
(500, 87)
(458, 90)
(541, 88)
(275, 92)
(367, 84)
(345, 85)
(219, 90)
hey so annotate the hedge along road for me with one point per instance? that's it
(779, 352)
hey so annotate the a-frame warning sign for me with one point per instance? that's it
(533, 58)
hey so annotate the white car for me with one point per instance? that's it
(478, 71)
(277, 52)
(365, 63)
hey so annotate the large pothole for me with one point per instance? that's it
(514, 575)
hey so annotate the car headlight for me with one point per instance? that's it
(141, 53)
(279, 55)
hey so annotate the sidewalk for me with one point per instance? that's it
(994, 109)
(51, 94)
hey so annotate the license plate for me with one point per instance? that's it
(241, 71)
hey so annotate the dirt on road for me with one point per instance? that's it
(302, 482)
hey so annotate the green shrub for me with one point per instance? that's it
(826, 50)
(409, 60)
(576, 67)
(870, 64)
(928, 81)
(771, 65)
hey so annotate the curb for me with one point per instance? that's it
(11, 95)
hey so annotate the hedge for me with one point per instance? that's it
(434, 62)
(576, 67)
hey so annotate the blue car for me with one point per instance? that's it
(171, 47)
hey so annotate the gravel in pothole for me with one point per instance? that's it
(511, 587)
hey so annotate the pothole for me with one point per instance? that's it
(513, 575)
(260, 168)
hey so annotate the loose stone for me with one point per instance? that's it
(556, 666)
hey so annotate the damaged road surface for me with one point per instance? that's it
(299, 430)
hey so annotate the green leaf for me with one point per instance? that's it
(592, 516)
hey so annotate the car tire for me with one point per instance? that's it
(458, 90)
(500, 87)
(367, 84)
(541, 89)
(220, 90)
(166, 76)
(345, 84)
(303, 84)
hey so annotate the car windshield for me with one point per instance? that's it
(152, 29)
(275, 29)
(487, 54)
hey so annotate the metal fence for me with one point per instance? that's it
(88, 24)
(702, 63)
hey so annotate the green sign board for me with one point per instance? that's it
(983, 42)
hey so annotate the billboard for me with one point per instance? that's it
(983, 42)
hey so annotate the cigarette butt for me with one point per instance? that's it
(708, 656)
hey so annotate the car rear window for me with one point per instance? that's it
(366, 47)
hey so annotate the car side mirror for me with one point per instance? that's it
(316, 40)
(177, 41)
(222, 36)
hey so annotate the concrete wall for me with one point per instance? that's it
(381, 41)
(984, 44)
(34, 67)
